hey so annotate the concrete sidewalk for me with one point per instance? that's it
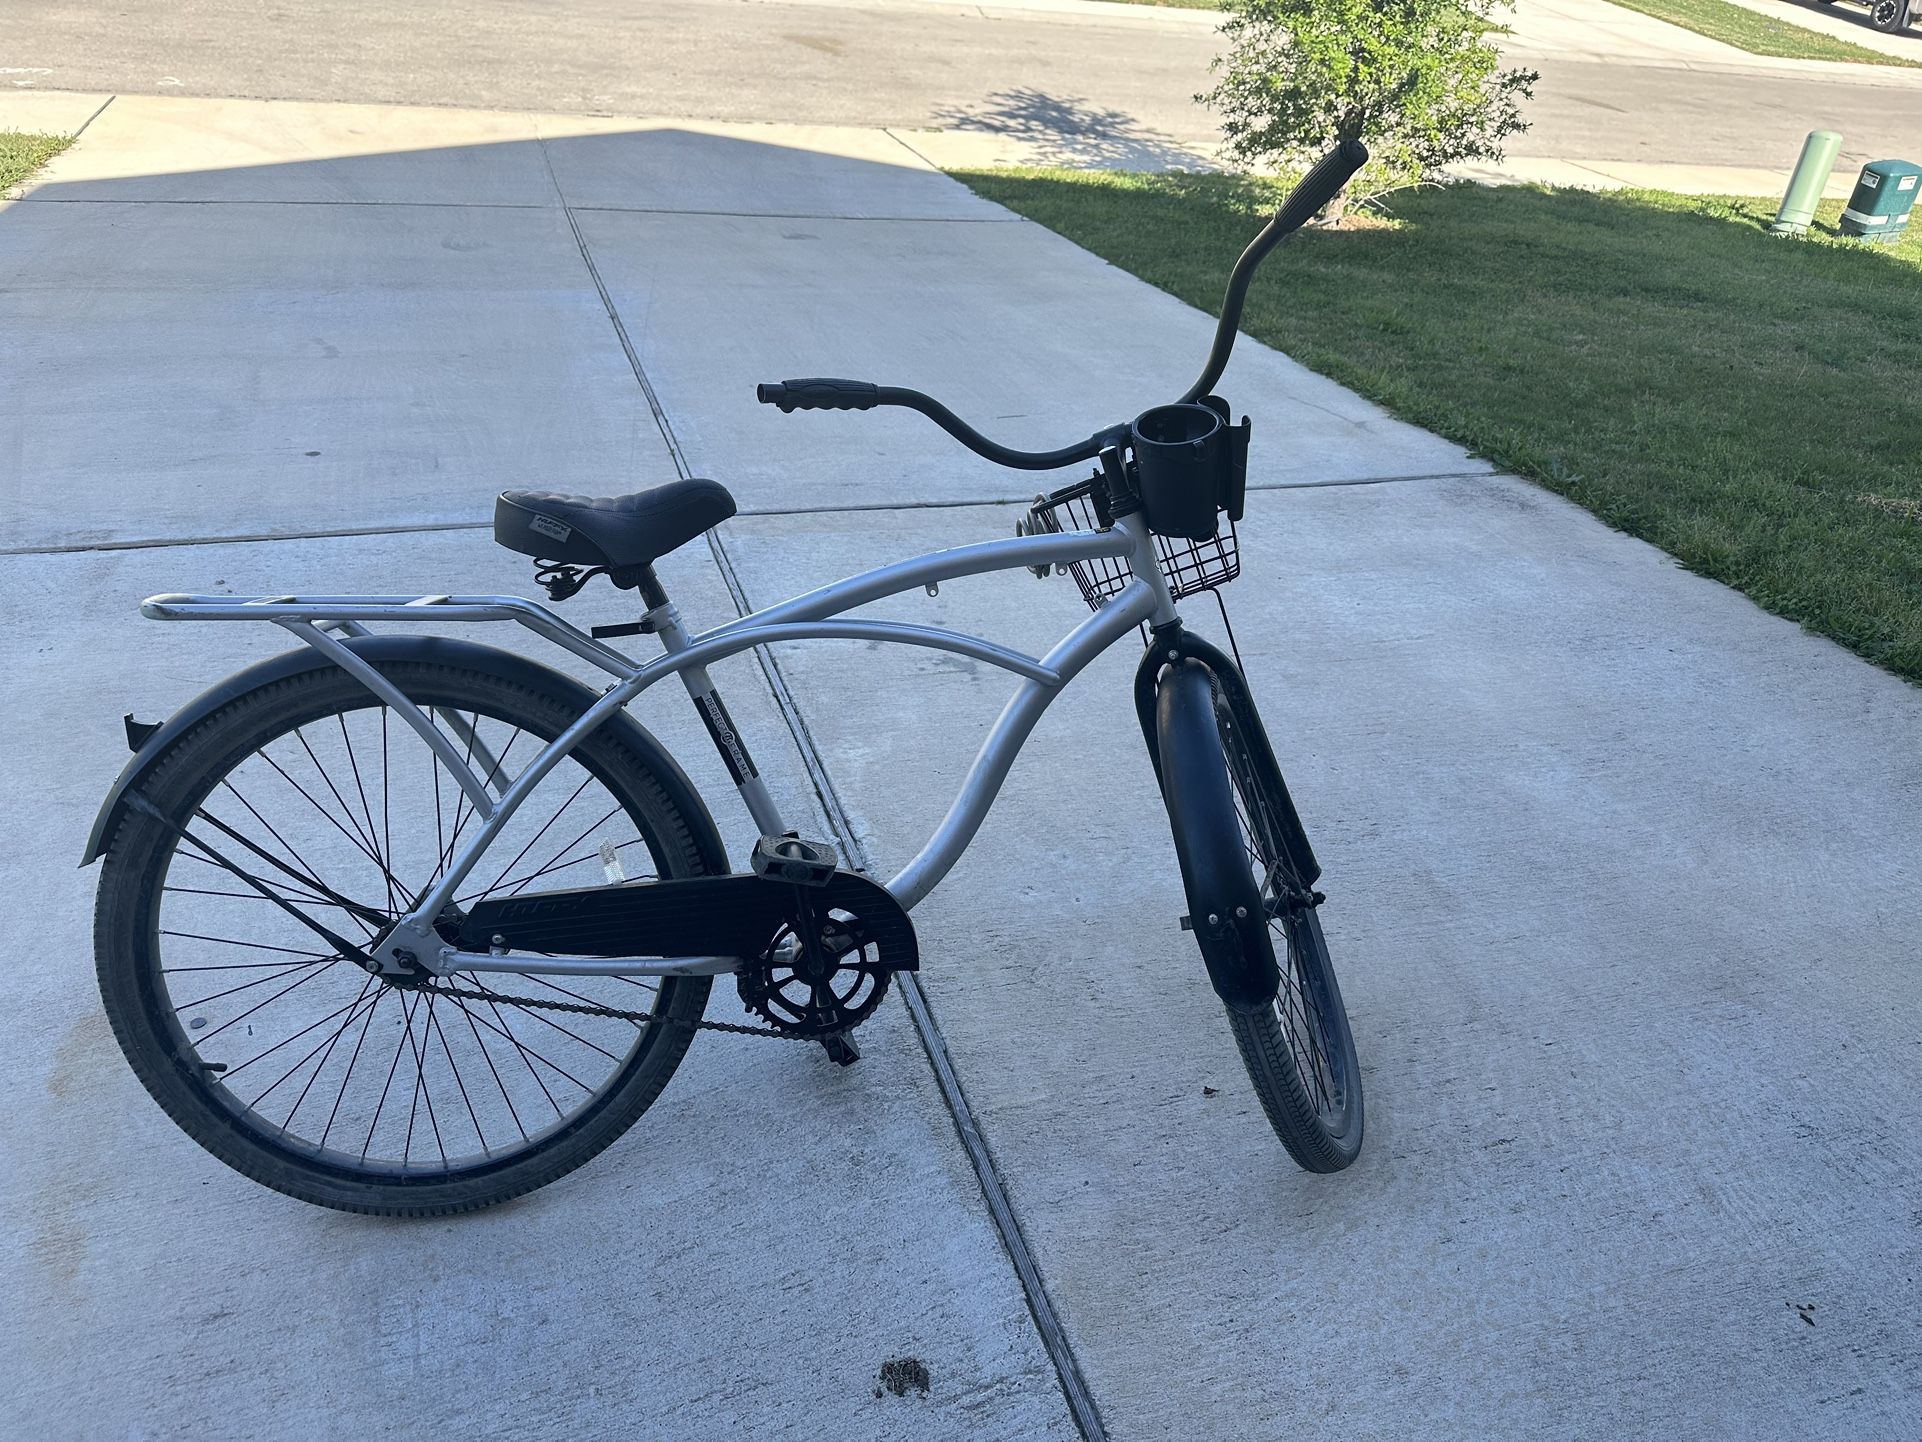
(1621, 869)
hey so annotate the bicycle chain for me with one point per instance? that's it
(464, 993)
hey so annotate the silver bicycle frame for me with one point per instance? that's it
(320, 621)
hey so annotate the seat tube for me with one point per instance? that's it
(727, 739)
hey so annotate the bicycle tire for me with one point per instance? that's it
(1299, 1050)
(157, 1037)
(1234, 835)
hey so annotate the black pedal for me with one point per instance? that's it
(788, 858)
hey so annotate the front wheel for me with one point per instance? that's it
(1236, 834)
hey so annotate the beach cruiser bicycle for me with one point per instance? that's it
(404, 924)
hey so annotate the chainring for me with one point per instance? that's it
(814, 985)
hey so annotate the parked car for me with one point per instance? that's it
(1892, 16)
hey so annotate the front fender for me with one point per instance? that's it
(1224, 902)
(518, 669)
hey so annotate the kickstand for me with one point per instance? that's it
(841, 1048)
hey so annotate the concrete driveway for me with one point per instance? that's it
(1622, 870)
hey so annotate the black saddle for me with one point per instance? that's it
(610, 531)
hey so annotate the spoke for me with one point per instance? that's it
(407, 1025)
(322, 1066)
(463, 810)
(366, 841)
(584, 856)
(454, 1069)
(287, 969)
(293, 893)
(252, 945)
(351, 1010)
(558, 864)
(327, 934)
(352, 1062)
(200, 1042)
(541, 1016)
(488, 1057)
(526, 1050)
(462, 801)
(367, 811)
(355, 841)
(499, 1025)
(332, 897)
(531, 844)
(421, 1090)
(239, 966)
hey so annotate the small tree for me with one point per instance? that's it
(1418, 80)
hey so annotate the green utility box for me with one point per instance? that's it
(1884, 194)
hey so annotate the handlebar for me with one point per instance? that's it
(1317, 188)
(827, 393)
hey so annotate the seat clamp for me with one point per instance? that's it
(646, 626)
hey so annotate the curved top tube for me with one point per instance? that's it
(804, 617)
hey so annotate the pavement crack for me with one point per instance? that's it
(1041, 1308)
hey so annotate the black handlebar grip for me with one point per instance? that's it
(819, 393)
(1318, 186)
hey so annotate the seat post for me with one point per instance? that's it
(664, 619)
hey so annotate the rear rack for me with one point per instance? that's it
(347, 613)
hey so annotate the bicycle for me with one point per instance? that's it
(365, 1013)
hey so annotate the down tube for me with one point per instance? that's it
(1088, 640)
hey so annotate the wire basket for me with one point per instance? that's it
(1190, 566)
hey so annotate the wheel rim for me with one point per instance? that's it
(1305, 1008)
(296, 1043)
(1884, 13)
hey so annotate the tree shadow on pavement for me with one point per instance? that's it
(1066, 130)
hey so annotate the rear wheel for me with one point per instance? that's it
(1298, 1049)
(281, 1056)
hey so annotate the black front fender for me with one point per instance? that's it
(1177, 643)
(518, 669)
(1224, 901)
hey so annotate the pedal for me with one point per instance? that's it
(841, 1049)
(788, 858)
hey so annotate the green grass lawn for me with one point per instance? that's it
(1758, 34)
(22, 153)
(1753, 405)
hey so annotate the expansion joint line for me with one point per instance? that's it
(1047, 1320)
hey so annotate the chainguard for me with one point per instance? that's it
(737, 915)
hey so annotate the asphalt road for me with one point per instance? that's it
(853, 64)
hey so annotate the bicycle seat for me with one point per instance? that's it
(611, 531)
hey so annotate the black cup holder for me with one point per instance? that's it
(1191, 464)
